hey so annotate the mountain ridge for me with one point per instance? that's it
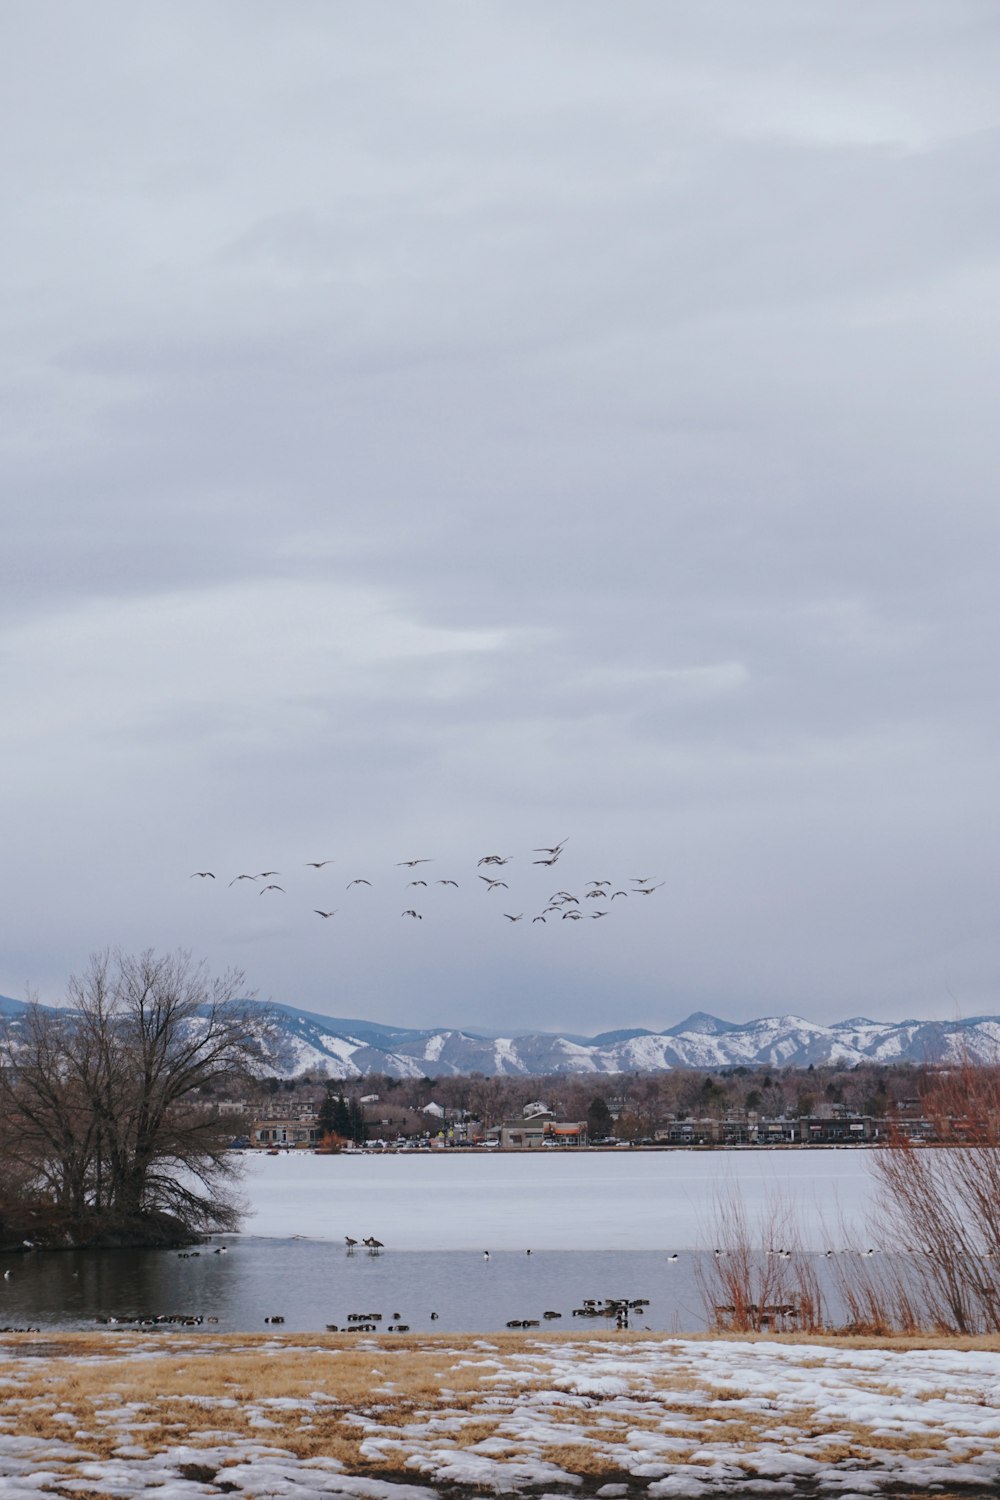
(349, 1047)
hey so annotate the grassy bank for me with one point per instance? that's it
(265, 1416)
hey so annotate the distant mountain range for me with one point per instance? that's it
(345, 1048)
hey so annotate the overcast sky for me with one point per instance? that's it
(436, 430)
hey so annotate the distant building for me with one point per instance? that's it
(537, 1131)
(285, 1131)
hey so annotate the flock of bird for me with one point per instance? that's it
(562, 905)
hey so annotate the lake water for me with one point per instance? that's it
(597, 1225)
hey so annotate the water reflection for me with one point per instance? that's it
(314, 1283)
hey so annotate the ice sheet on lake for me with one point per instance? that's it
(547, 1201)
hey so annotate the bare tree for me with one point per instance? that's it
(109, 1095)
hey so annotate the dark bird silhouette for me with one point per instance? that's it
(513, 919)
(495, 859)
(596, 883)
(243, 877)
(349, 1243)
(619, 893)
(647, 890)
(325, 913)
(263, 875)
(202, 874)
(447, 882)
(493, 884)
(411, 913)
(572, 916)
(415, 882)
(317, 864)
(553, 861)
(556, 849)
(270, 888)
(538, 919)
(596, 914)
(360, 881)
(411, 864)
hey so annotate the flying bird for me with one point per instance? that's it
(411, 864)
(538, 919)
(317, 864)
(647, 890)
(619, 893)
(325, 913)
(203, 874)
(360, 881)
(447, 882)
(492, 884)
(270, 888)
(265, 873)
(415, 882)
(513, 919)
(556, 849)
(553, 861)
(411, 913)
(243, 877)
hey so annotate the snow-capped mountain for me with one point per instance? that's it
(347, 1048)
(352, 1048)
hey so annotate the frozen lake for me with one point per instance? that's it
(623, 1200)
(598, 1225)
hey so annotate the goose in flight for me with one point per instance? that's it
(619, 893)
(572, 916)
(317, 864)
(360, 881)
(538, 919)
(596, 914)
(492, 884)
(325, 913)
(556, 849)
(243, 877)
(411, 913)
(447, 882)
(494, 859)
(415, 882)
(263, 875)
(647, 890)
(270, 888)
(553, 861)
(513, 919)
(202, 874)
(411, 864)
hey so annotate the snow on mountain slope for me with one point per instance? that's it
(340, 1048)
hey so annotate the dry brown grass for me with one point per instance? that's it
(191, 1388)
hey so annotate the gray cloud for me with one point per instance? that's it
(466, 426)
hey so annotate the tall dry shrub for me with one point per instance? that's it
(939, 1206)
(756, 1277)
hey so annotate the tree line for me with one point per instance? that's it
(633, 1105)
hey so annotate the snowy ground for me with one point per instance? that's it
(627, 1200)
(380, 1419)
